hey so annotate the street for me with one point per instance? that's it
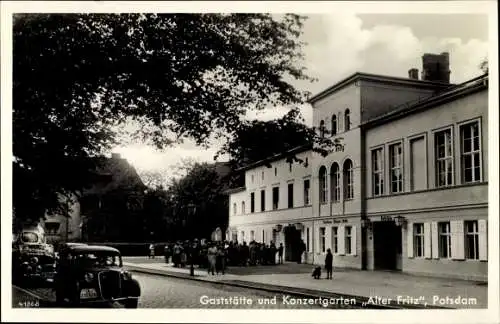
(167, 292)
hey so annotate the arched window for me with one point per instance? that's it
(322, 128)
(323, 183)
(252, 236)
(348, 180)
(334, 125)
(335, 182)
(242, 236)
(234, 208)
(347, 119)
(243, 207)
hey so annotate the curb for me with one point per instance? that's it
(361, 301)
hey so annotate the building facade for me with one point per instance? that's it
(406, 190)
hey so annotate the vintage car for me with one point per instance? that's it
(33, 260)
(93, 275)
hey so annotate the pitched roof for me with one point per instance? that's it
(378, 78)
(113, 173)
(451, 93)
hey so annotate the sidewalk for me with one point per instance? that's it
(406, 291)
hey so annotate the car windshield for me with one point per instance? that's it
(28, 237)
(98, 260)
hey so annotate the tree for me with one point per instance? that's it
(279, 135)
(78, 78)
(203, 188)
(484, 65)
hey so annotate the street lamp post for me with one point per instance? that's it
(191, 211)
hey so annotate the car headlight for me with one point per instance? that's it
(127, 275)
(88, 277)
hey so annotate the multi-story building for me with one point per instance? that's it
(406, 190)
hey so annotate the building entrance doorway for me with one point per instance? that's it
(387, 241)
(292, 243)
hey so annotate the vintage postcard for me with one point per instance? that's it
(213, 161)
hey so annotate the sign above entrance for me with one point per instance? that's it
(385, 218)
(337, 221)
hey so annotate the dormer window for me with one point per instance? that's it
(322, 128)
(347, 120)
(334, 125)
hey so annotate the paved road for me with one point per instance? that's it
(167, 292)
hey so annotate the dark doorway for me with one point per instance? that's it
(387, 245)
(292, 243)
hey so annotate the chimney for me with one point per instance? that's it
(413, 74)
(436, 67)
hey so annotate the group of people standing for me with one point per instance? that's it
(216, 256)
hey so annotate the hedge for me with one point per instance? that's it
(133, 249)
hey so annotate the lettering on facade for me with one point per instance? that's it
(327, 222)
(336, 221)
(386, 218)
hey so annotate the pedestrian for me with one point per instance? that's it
(212, 258)
(280, 254)
(302, 248)
(329, 264)
(151, 251)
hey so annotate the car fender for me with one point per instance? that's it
(132, 288)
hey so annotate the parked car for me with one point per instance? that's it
(33, 260)
(89, 275)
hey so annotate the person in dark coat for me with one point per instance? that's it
(329, 264)
(280, 254)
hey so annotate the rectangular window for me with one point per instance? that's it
(252, 202)
(263, 236)
(234, 208)
(252, 178)
(263, 200)
(290, 167)
(262, 175)
(308, 245)
(243, 207)
(444, 158)
(307, 186)
(348, 240)
(322, 239)
(418, 164)
(335, 240)
(378, 172)
(471, 152)
(418, 240)
(396, 166)
(252, 236)
(290, 195)
(444, 240)
(471, 240)
(276, 197)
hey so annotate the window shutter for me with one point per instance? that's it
(435, 240)
(427, 240)
(457, 240)
(341, 239)
(354, 241)
(409, 241)
(483, 239)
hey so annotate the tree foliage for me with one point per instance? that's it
(77, 77)
(257, 140)
(203, 190)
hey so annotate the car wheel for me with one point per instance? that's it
(59, 297)
(131, 303)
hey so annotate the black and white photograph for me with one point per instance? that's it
(254, 156)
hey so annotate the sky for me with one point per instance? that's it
(339, 45)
